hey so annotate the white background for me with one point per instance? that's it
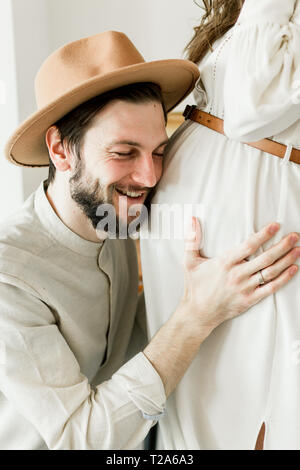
(31, 29)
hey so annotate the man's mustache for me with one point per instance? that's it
(134, 189)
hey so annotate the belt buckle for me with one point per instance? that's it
(188, 111)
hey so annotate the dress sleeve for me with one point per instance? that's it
(41, 378)
(262, 78)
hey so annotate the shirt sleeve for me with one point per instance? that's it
(262, 78)
(41, 378)
(139, 337)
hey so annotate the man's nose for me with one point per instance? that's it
(144, 172)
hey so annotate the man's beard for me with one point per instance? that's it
(90, 194)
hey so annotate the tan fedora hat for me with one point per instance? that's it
(82, 70)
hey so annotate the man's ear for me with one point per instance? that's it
(60, 157)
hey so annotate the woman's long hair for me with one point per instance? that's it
(219, 17)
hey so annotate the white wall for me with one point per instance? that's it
(11, 190)
(32, 45)
(159, 28)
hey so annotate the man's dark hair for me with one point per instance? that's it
(74, 124)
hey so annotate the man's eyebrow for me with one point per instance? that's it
(124, 142)
(133, 144)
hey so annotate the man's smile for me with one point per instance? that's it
(135, 195)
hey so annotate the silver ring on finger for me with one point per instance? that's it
(261, 278)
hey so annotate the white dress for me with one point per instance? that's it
(248, 371)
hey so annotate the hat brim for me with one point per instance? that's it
(27, 146)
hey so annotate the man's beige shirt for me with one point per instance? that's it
(68, 316)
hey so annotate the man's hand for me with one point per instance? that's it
(217, 290)
(221, 288)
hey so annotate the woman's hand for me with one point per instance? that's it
(221, 288)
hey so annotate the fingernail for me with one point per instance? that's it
(190, 232)
(193, 228)
(297, 252)
(294, 238)
(293, 270)
(274, 228)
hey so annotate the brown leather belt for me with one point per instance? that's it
(217, 124)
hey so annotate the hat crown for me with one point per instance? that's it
(75, 63)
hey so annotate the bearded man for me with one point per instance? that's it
(75, 369)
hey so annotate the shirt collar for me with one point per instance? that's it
(58, 230)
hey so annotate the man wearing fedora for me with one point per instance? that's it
(75, 370)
